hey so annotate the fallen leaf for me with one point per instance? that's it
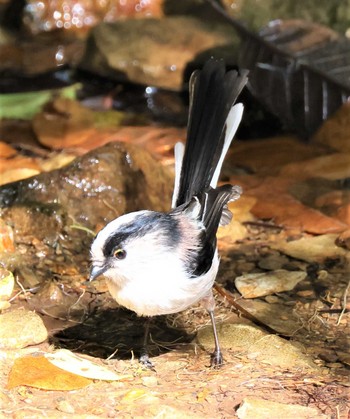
(18, 162)
(274, 202)
(133, 395)
(17, 174)
(68, 361)
(6, 238)
(334, 132)
(70, 124)
(40, 373)
(202, 395)
(26, 104)
(332, 166)
(6, 151)
(267, 156)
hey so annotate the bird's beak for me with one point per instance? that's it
(97, 271)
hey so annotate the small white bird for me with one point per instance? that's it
(160, 263)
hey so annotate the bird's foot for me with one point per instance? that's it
(216, 359)
(145, 361)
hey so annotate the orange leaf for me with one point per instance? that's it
(40, 373)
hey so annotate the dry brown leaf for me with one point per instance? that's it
(18, 162)
(40, 373)
(333, 166)
(335, 131)
(6, 238)
(68, 124)
(6, 151)
(274, 202)
(267, 156)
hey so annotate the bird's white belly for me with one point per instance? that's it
(163, 294)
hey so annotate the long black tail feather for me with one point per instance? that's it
(213, 92)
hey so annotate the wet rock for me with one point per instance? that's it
(55, 215)
(20, 328)
(92, 190)
(41, 54)
(256, 344)
(254, 408)
(259, 284)
(312, 249)
(168, 45)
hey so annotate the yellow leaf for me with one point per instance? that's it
(202, 395)
(133, 395)
(40, 373)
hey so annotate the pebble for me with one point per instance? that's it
(21, 328)
(65, 407)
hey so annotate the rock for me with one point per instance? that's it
(256, 344)
(20, 328)
(40, 54)
(92, 190)
(254, 408)
(55, 215)
(259, 284)
(312, 249)
(278, 316)
(168, 45)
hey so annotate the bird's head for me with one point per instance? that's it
(130, 245)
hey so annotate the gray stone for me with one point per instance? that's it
(254, 408)
(312, 249)
(260, 284)
(21, 328)
(256, 344)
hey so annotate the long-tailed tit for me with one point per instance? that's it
(160, 263)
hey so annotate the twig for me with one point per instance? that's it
(263, 224)
(345, 296)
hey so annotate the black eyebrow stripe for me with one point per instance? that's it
(140, 226)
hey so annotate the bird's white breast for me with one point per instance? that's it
(162, 289)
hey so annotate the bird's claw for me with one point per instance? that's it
(216, 359)
(145, 361)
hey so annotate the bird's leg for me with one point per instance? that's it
(216, 359)
(144, 357)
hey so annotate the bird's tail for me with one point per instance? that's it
(212, 124)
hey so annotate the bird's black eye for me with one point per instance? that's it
(119, 253)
